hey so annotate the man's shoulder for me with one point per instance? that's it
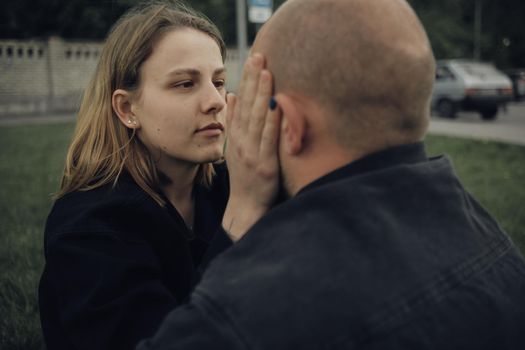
(365, 231)
(352, 266)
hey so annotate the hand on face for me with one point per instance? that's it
(252, 149)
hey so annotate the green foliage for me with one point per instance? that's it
(449, 23)
(450, 27)
(448, 35)
(66, 18)
(220, 12)
(505, 32)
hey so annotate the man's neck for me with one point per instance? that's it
(314, 165)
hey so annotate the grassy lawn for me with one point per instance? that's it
(31, 159)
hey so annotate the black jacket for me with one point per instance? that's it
(117, 263)
(388, 252)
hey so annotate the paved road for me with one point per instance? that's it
(508, 127)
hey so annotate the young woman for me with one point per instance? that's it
(138, 213)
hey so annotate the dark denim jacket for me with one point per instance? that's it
(389, 252)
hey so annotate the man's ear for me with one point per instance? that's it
(121, 103)
(293, 124)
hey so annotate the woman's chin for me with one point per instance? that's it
(213, 157)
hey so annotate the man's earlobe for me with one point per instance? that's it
(292, 125)
(121, 103)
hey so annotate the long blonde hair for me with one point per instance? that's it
(101, 147)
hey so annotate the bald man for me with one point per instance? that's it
(379, 246)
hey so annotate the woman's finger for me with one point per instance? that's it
(260, 107)
(244, 76)
(270, 133)
(249, 92)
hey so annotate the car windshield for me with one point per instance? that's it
(477, 69)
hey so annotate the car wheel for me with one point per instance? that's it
(447, 109)
(489, 113)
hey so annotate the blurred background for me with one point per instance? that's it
(49, 49)
(491, 30)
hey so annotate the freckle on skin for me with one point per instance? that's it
(158, 129)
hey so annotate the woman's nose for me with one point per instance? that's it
(214, 100)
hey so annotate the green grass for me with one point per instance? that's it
(31, 160)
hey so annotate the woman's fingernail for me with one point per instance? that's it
(272, 104)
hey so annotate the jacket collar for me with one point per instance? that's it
(404, 154)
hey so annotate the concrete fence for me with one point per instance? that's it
(38, 77)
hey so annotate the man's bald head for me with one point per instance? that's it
(367, 62)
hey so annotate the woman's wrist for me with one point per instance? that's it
(238, 219)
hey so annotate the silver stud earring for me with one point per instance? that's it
(129, 121)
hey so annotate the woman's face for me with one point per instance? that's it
(181, 105)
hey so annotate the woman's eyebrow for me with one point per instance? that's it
(219, 71)
(193, 72)
(184, 71)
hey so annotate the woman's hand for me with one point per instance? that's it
(252, 149)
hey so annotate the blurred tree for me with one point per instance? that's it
(450, 27)
(89, 19)
(504, 32)
(449, 23)
(443, 21)
(220, 12)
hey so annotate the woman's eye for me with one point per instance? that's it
(184, 84)
(219, 83)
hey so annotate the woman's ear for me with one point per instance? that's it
(293, 124)
(121, 103)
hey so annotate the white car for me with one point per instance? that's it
(469, 86)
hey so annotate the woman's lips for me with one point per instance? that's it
(212, 129)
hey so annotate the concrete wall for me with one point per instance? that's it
(44, 76)
(50, 76)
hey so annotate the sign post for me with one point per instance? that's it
(241, 33)
(259, 11)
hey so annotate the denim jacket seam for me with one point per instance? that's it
(399, 312)
(436, 291)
